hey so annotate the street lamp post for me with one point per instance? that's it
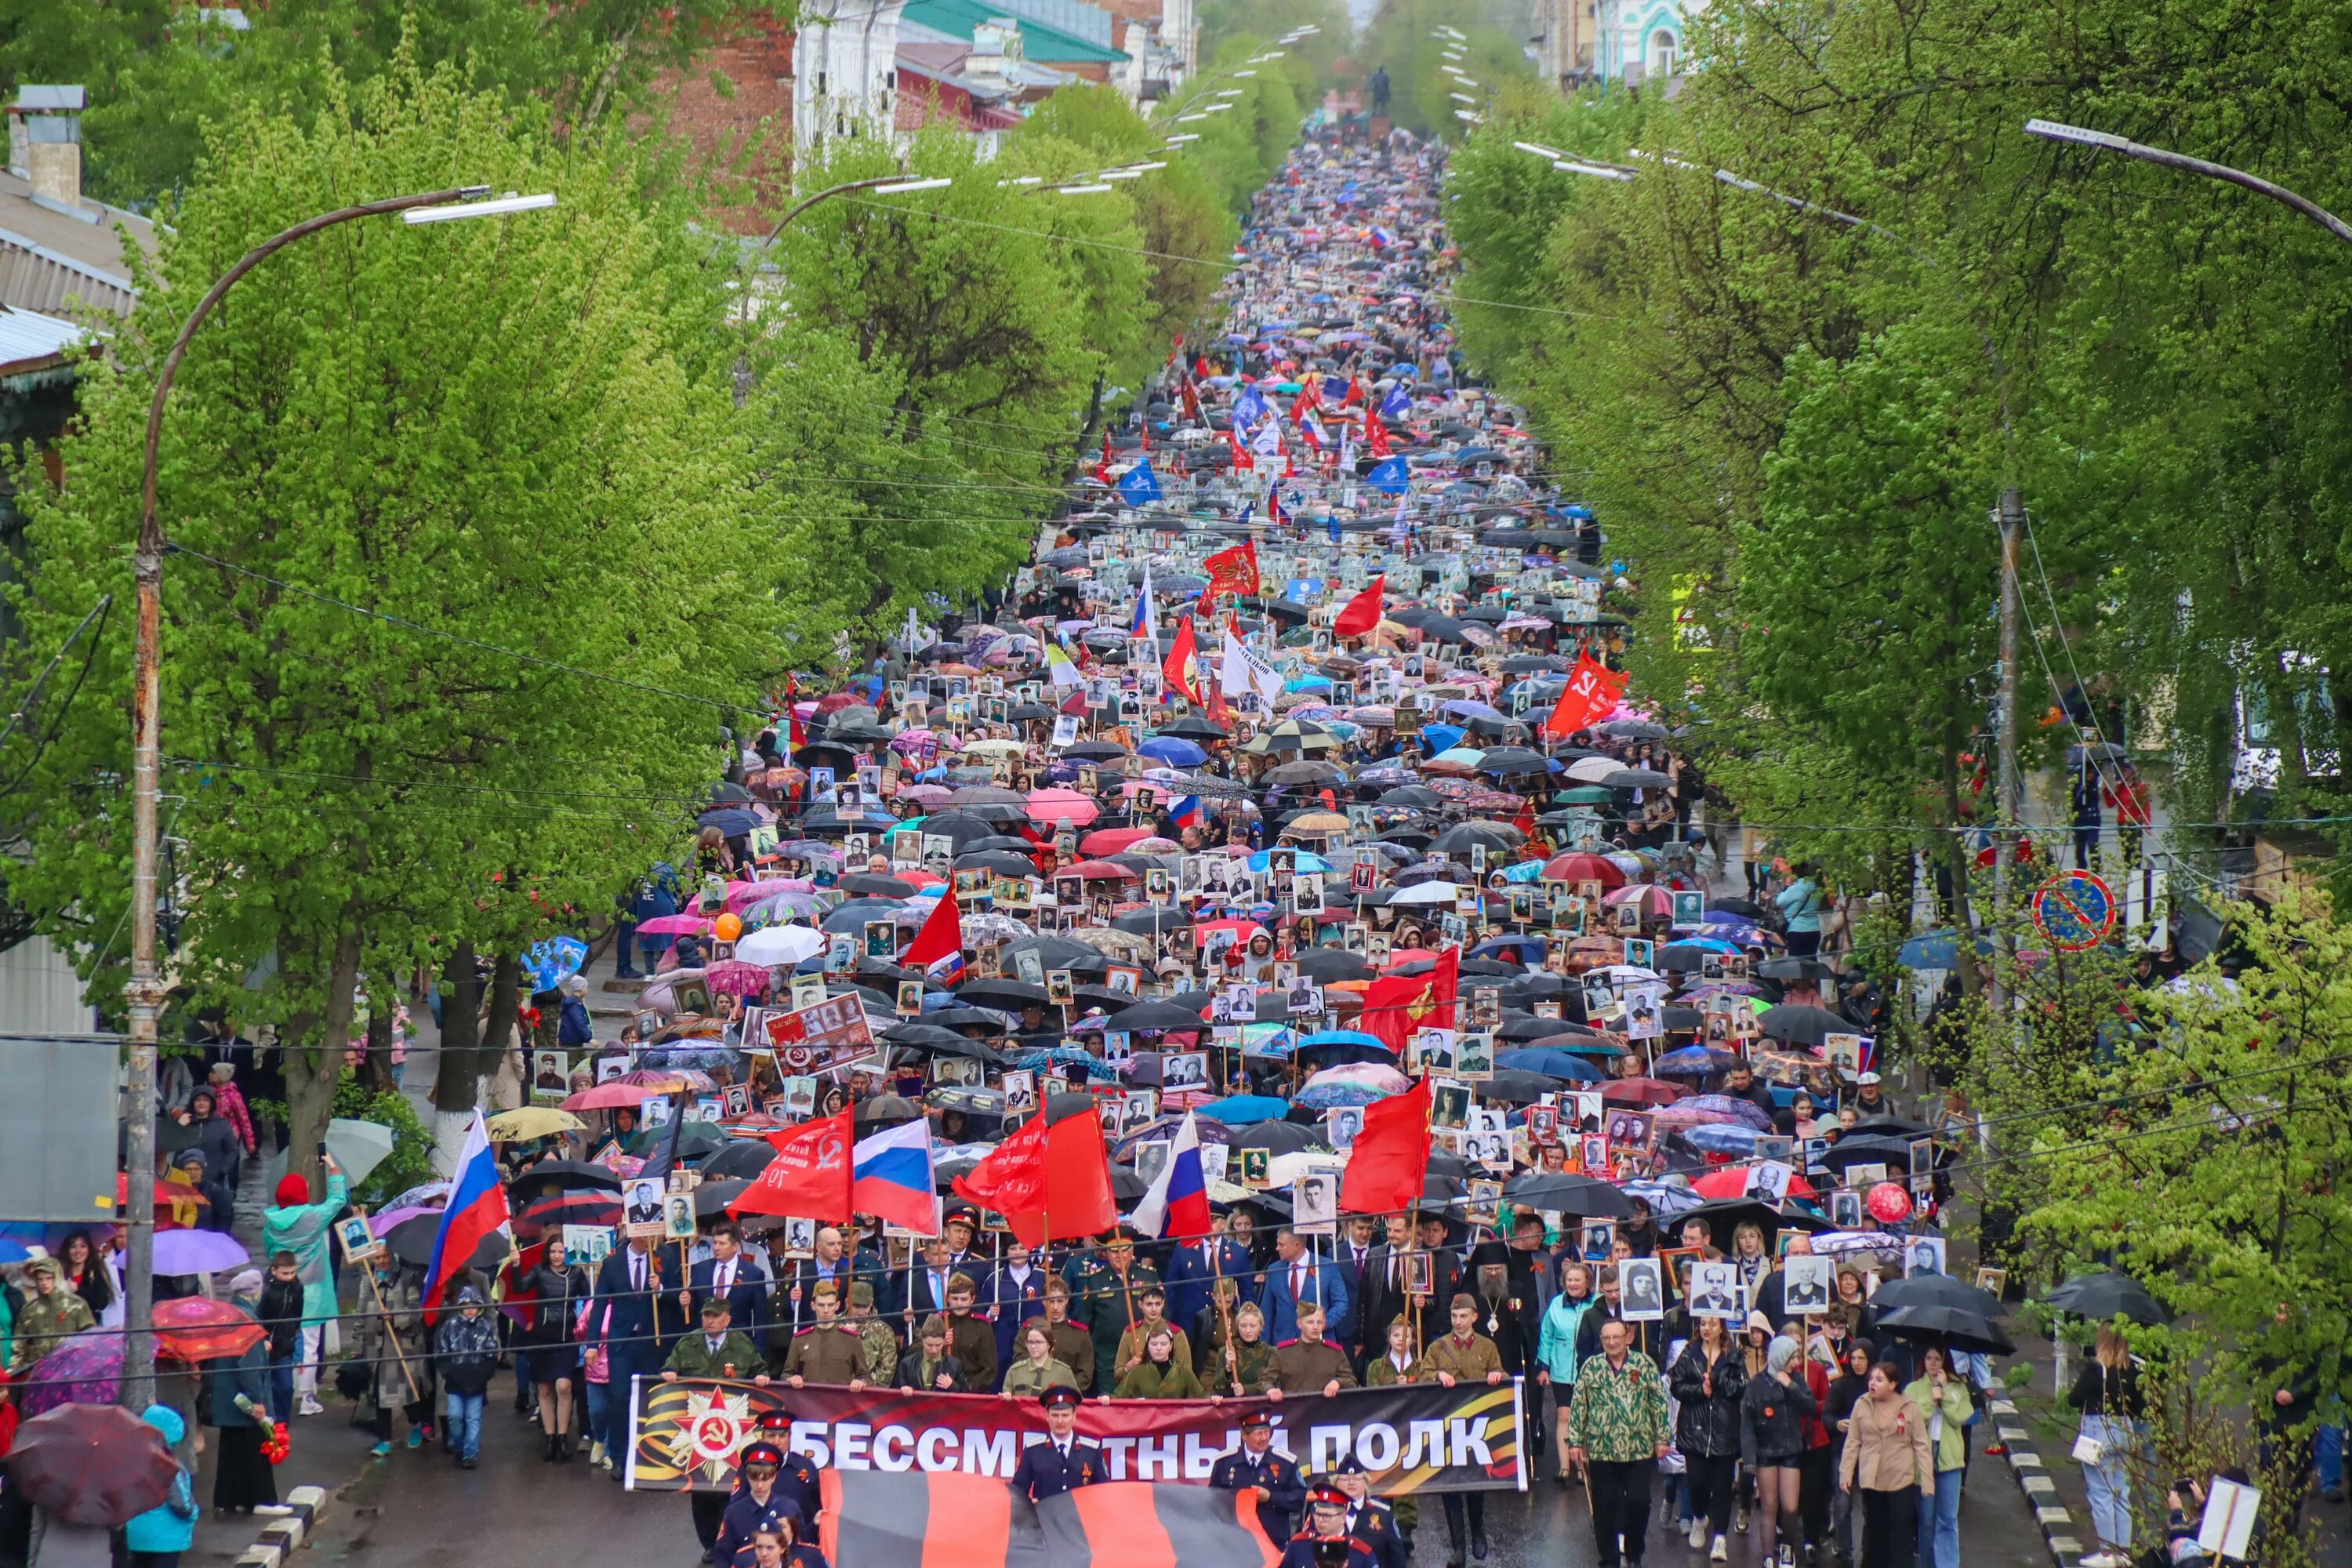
(2053, 130)
(144, 994)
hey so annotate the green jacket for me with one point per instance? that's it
(1148, 1381)
(1618, 1415)
(305, 1230)
(1027, 1380)
(1951, 1448)
(693, 1356)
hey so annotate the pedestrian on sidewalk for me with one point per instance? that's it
(1941, 1396)
(1889, 1468)
(155, 1538)
(465, 1349)
(296, 1224)
(280, 1312)
(395, 1359)
(2106, 1392)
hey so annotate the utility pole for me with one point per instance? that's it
(2008, 800)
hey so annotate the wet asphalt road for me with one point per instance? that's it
(418, 1509)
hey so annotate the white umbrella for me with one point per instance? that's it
(1439, 892)
(771, 945)
(358, 1147)
(1592, 770)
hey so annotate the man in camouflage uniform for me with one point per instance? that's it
(881, 1344)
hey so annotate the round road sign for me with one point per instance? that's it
(2075, 910)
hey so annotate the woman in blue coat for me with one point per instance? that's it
(156, 1538)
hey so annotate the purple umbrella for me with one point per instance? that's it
(84, 1369)
(1747, 1111)
(198, 1252)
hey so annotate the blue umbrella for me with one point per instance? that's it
(1174, 750)
(1338, 1037)
(1243, 1110)
(1549, 1061)
(1262, 860)
(551, 962)
(1692, 1061)
(1722, 1138)
(732, 821)
(1440, 737)
(1934, 949)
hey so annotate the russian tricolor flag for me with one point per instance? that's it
(1178, 1202)
(891, 1176)
(1275, 512)
(1188, 813)
(477, 1211)
(1146, 623)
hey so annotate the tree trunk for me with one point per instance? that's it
(383, 998)
(499, 1028)
(1956, 852)
(314, 1072)
(457, 1074)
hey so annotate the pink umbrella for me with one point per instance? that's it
(1112, 840)
(925, 794)
(675, 925)
(613, 1096)
(741, 895)
(1057, 806)
(732, 979)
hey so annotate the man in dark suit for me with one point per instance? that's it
(1014, 1294)
(1353, 1257)
(1255, 1467)
(1382, 1300)
(735, 1274)
(795, 1305)
(927, 1289)
(627, 1317)
(1194, 1267)
(1064, 1461)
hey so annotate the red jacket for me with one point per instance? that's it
(1817, 1378)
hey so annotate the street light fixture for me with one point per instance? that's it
(904, 187)
(144, 995)
(2054, 131)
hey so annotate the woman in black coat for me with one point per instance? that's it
(559, 1289)
(1708, 1380)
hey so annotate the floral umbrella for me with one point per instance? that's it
(732, 979)
(84, 1369)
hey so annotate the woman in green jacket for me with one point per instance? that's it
(1160, 1374)
(294, 1224)
(1037, 1368)
(1943, 1400)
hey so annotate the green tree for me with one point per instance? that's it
(419, 480)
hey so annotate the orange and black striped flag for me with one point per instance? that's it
(949, 1519)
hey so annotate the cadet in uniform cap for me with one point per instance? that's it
(1326, 1542)
(758, 1502)
(797, 1474)
(1309, 1364)
(1255, 1467)
(1370, 1521)
(1063, 1461)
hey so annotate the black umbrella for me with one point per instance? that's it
(1329, 964)
(1151, 919)
(866, 884)
(1281, 1137)
(1796, 969)
(1008, 994)
(1192, 727)
(732, 821)
(966, 1018)
(1154, 1016)
(1635, 778)
(711, 1198)
(1955, 1326)
(1805, 1025)
(740, 1160)
(1569, 1194)
(567, 1174)
(1869, 1148)
(411, 1241)
(2103, 1297)
(929, 1039)
(1936, 1291)
(995, 862)
(1747, 909)
(1724, 1216)
(1513, 1086)
(1495, 836)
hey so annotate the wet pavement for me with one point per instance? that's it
(418, 1509)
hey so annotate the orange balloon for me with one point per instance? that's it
(727, 927)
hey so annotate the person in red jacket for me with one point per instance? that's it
(2127, 796)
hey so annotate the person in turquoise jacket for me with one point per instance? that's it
(306, 1229)
(1555, 1345)
(155, 1538)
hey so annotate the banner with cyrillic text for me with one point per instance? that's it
(684, 1436)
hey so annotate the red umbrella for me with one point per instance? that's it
(95, 1465)
(1642, 1091)
(1584, 867)
(1731, 1181)
(1098, 871)
(1111, 840)
(612, 1097)
(195, 1328)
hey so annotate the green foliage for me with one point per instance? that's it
(1403, 39)
(518, 432)
(411, 1159)
(2210, 1141)
(157, 75)
(1225, 23)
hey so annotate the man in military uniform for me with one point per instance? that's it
(1256, 1468)
(828, 1351)
(881, 1345)
(1465, 1356)
(972, 1339)
(1309, 1364)
(1370, 1520)
(717, 1352)
(1064, 1461)
(1327, 1541)
(797, 1479)
(1073, 1347)
(1104, 1293)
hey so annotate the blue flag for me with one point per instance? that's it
(1390, 476)
(1249, 408)
(1332, 523)
(1140, 484)
(1397, 404)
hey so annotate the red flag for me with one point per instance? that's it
(1192, 404)
(1182, 671)
(1362, 613)
(794, 737)
(1305, 401)
(1048, 1179)
(939, 946)
(810, 1176)
(1233, 570)
(1241, 453)
(1355, 392)
(1397, 1005)
(1390, 1163)
(1590, 696)
(1102, 468)
(1376, 435)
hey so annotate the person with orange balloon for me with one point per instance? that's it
(727, 927)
